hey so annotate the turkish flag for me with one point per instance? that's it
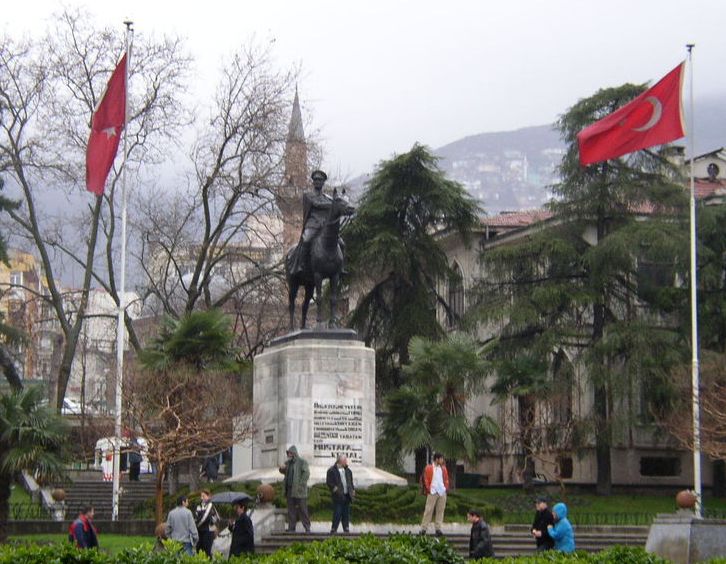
(653, 118)
(108, 121)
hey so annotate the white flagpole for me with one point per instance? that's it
(120, 323)
(695, 378)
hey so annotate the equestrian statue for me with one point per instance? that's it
(319, 254)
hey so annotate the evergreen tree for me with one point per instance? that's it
(428, 412)
(595, 283)
(394, 256)
(32, 437)
(711, 279)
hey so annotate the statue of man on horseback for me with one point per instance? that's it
(319, 254)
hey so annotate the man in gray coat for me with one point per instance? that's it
(180, 526)
(297, 475)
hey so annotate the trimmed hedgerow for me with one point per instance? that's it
(381, 503)
(396, 549)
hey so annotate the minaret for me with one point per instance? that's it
(289, 198)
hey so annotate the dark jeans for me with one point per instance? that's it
(544, 546)
(134, 471)
(297, 506)
(341, 512)
(206, 539)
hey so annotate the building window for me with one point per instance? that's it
(654, 276)
(456, 297)
(565, 465)
(562, 384)
(660, 466)
(16, 278)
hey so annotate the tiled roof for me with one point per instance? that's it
(516, 219)
(706, 188)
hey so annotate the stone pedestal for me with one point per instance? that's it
(684, 539)
(315, 390)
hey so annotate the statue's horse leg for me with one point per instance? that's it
(306, 304)
(318, 297)
(292, 295)
(334, 299)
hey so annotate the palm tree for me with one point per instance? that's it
(200, 339)
(429, 411)
(32, 437)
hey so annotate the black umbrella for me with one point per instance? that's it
(230, 497)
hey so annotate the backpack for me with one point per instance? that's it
(72, 533)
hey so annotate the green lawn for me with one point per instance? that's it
(112, 544)
(19, 495)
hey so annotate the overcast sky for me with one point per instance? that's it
(379, 75)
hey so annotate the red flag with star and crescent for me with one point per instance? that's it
(653, 118)
(106, 126)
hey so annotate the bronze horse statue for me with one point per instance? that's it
(326, 262)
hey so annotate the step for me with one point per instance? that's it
(99, 494)
(505, 544)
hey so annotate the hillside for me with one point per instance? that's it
(512, 170)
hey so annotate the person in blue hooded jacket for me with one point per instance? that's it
(561, 532)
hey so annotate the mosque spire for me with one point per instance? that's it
(296, 132)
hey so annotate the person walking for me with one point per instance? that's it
(435, 485)
(180, 526)
(243, 533)
(82, 532)
(206, 518)
(480, 539)
(297, 474)
(210, 468)
(542, 519)
(562, 532)
(339, 480)
(135, 459)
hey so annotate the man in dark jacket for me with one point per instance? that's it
(82, 531)
(243, 534)
(542, 519)
(135, 459)
(210, 468)
(297, 474)
(480, 540)
(340, 482)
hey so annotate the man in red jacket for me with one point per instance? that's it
(436, 484)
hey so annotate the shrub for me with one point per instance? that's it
(614, 555)
(399, 548)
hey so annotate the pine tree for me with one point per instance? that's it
(394, 255)
(583, 285)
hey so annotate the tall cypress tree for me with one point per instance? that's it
(595, 283)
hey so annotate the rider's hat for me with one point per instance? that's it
(319, 175)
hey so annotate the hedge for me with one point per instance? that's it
(381, 503)
(403, 549)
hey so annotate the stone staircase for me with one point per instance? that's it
(513, 540)
(99, 494)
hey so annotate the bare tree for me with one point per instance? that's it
(217, 242)
(678, 419)
(185, 414)
(49, 88)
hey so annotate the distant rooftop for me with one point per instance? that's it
(520, 218)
